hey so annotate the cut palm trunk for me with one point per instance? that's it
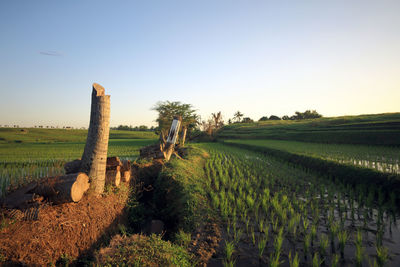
(62, 189)
(113, 177)
(95, 154)
(126, 171)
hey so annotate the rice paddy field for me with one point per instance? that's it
(322, 192)
(34, 153)
(278, 214)
(380, 158)
(376, 129)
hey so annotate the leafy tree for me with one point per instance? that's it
(275, 118)
(168, 110)
(308, 114)
(238, 116)
(263, 118)
(247, 120)
(286, 117)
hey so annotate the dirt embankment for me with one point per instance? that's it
(69, 230)
(74, 231)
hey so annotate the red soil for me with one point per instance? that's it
(71, 229)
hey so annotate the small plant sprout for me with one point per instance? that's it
(247, 225)
(305, 225)
(335, 260)
(323, 245)
(292, 226)
(253, 237)
(261, 226)
(342, 237)
(359, 253)
(261, 247)
(238, 235)
(294, 262)
(229, 250)
(275, 260)
(316, 261)
(382, 254)
(278, 242)
(333, 230)
(313, 233)
(306, 244)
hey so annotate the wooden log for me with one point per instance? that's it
(62, 189)
(113, 177)
(126, 176)
(184, 135)
(113, 162)
(95, 154)
(115, 168)
(72, 166)
(126, 166)
(19, 197)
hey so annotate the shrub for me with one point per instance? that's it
(140, 250)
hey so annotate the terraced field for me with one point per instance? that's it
(377, 129)
(379, 158)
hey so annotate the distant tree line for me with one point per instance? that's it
(238, 117)
(308, 114)
(142, 128)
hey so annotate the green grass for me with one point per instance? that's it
(379, 158)
(36, 135)
(141, 250)
(179, 192)
(377, 129)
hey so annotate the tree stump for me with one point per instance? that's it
(113, 162)
(95, 154)
(126, 171)
(113, 177)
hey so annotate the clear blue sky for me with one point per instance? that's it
(259, 57)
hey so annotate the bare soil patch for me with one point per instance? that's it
(68, 230)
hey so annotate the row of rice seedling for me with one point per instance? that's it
(23, 163)
(380, 158)
(274, 213)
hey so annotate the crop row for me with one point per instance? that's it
(24, 163)
(379, 158)
(274, 213)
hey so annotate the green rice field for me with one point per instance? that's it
(277, 214)
(38, 153)
(380, 158)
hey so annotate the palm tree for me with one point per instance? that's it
(238, 116)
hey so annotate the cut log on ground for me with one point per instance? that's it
(126, 165)
(72, 166)
(19, 197)
(126, 176)
(113, 177)
(62, 189)
(113, 162)
(152, 151)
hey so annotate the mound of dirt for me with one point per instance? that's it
(205, 242)
(68, 230)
